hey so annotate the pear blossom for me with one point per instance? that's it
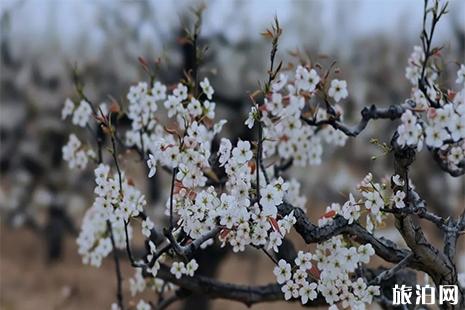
(240, 200)
(191, 267)
(178, 269)
(206, 88)
(224, 151)
(398, 180)
(152, 164)
(251, 118)
(242, 152)
(287, 289)
(68, 109)
(351, 210)
(180, 92)
(306, 80)
(338, 90)
(461, 75)
(158, 91)
(308, 292)
(82, 114)
(147, 226)
(398, 199)
(304, 260)
(282, 271)
(435, 136)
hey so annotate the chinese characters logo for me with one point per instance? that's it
(424, 295)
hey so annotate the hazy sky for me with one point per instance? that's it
(35, 22)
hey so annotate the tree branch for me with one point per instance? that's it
(214, 289)
(311, 233)
(393, 112)
(119, 278)
(389, 273)
(429, 259)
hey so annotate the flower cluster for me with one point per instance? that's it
(242, 224)
(284, 131)
(235, 196)
(415, 65)
(116, 201)
(295, 281)
(179, 268)
(244, 215)
(436, 118)
(138, 283)
(187, 144)
(332, 274)
(141, 111)
(187, 148)
(81, 114)
(246, 223)
(337, 262)
(373, 198)
(75, 154)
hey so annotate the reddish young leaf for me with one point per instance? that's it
(330, 214)
(315, 272)
(451, 94)
(224, 233)
(274, 224)
(252, 166)
(177, 186)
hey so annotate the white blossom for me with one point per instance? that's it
(338, 90)
(206, 88)
(282, 271)
(398, 199)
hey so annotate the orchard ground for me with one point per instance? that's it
(29, 283)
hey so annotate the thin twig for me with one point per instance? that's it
(387, 274)
(115, 159)
(119, 278)
(173, 180)
(270, 256)
(128, 247)
(276, 33)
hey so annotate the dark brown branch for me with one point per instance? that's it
(156, 236)
(128, 247)
(311, 233)
(426, 40)
(188, 251)
(115, 159)
(393, 112)
(418, 207)
(429, 259)
(251, 295)
(173, 180)
(214, 289)
(389, 273)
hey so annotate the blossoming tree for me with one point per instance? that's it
(238, 195)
